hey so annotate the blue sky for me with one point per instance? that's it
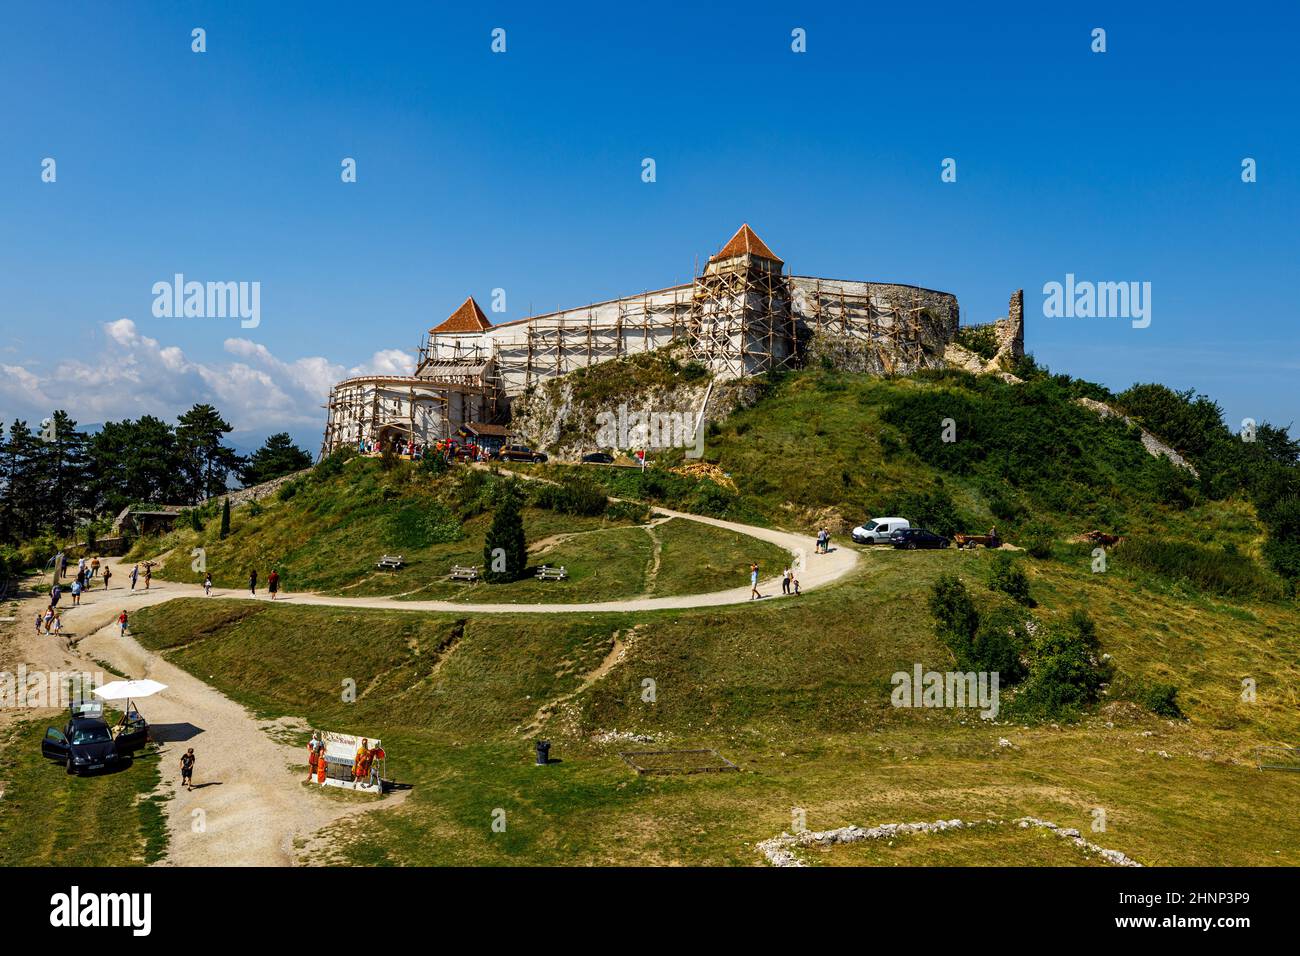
(522, 171)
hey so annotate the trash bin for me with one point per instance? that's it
(543, 752)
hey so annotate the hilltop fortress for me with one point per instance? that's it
(744, 315)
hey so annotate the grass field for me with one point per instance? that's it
(796, 693)
(49, 818)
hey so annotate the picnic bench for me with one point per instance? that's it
(389, 562)
(460, 573)
(548, 573)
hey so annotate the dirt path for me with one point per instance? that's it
(818, 570)
(248, 808)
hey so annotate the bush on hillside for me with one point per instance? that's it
(574, 495)
(1009, 577)
(998, 645)
(979, 339)
(1159, 698)
(955, 617)
(1066, 670)
(1038, 538)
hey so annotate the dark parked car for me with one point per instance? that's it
(519, 453)
(913, 538)
(598, 458)
(87, 743)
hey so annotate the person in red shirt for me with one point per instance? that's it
(273, 582)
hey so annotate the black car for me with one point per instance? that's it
(87, 743)
(598, 458)
(519, 453)
(913, 538)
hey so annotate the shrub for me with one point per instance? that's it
(998, 645)
(433, 464)
(1039, 539)
(574, 495)
(288, 490)
(1009, 577)
(979, 339)
(1066, 670)
(1161, 699)
(633, 511)
(955, 617)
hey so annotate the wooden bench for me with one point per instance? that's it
(459, 573)
(389, 562)
(547, 573)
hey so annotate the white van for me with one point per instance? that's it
(878, 530)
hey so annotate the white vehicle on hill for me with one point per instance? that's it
(878, 530)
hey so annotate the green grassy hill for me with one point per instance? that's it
(797, 691)
(326, 532)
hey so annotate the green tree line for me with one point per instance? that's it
(55, 477)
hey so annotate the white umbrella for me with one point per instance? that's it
(125, 689)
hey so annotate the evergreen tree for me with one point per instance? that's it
(205, 462)
(505, 550)
(18, 490)
(62, 473)
(279, 456)
(225, 517)
(136, 461)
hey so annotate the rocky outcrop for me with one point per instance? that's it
(1154, 446)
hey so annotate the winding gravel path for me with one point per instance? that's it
(250, 808)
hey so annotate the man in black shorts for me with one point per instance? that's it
(187, 769)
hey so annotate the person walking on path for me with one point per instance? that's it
(122, 624)
(786, 575)
(753, 581)
(148, 574)
(135, 574)
(252, 582)
(207, 584)
(76, 592)
(108, 573)
(187, 769)
(48, 619)
(40, 618)
(94, 566)
(55, 593)
(57, 624)
(273, 582)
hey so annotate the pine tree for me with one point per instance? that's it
(19, 494)
(505, 550)
(205, 462)
(279, 456)
(225, 517)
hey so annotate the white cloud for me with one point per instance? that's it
(133, 375)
